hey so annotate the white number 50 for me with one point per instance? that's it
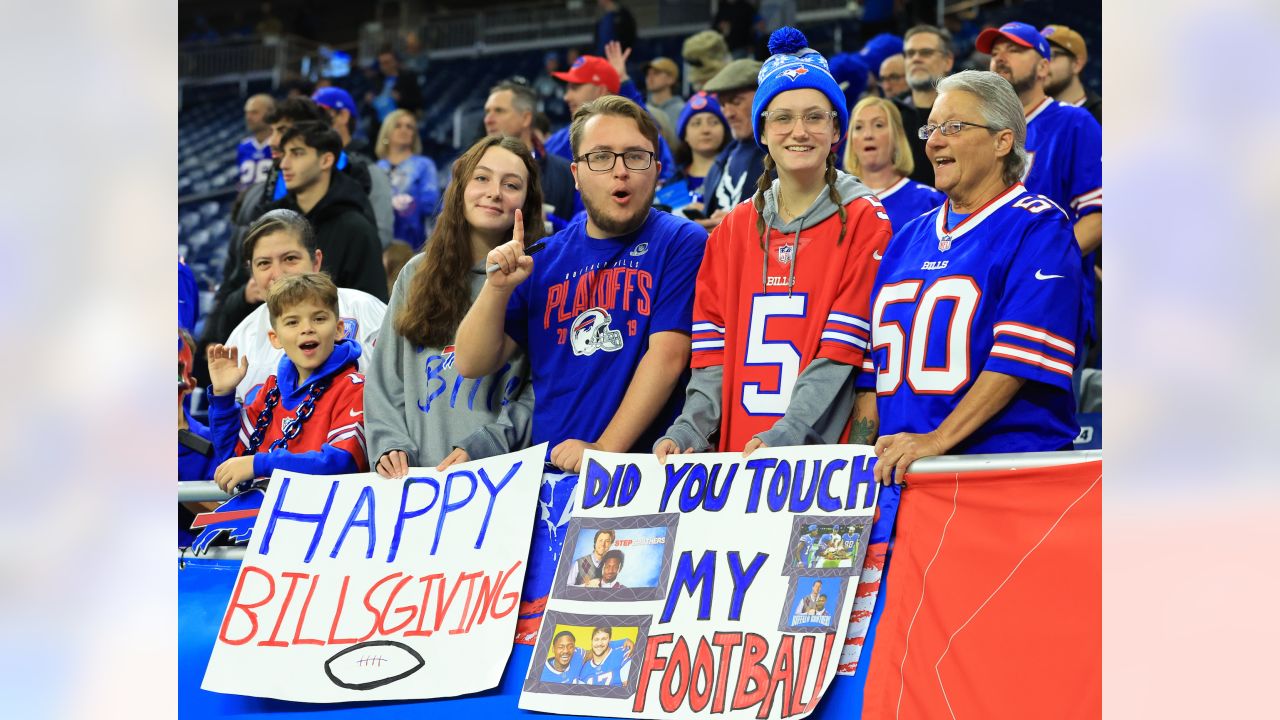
(954, 372)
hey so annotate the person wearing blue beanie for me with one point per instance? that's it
(790, 271)
(793, 66)
(703, 132)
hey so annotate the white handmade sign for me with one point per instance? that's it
(356, 587)
(713, 585)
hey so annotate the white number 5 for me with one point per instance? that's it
(778, 353)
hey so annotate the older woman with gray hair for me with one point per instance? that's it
(976, 305)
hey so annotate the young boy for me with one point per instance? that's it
(309, 415)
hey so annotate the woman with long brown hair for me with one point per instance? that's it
(419, 410)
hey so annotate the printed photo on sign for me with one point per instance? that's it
(595, 655)
(617, 559)
(823, 546)
(812, 604)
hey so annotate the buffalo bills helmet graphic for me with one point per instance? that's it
(591, 332)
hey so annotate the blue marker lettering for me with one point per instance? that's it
(406, 514)
(277, 513)
(366, 498)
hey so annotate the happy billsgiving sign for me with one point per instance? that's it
(713, 585)
(357, 587)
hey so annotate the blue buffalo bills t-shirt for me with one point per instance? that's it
(585, 316)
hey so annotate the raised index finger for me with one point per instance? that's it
(517, 233)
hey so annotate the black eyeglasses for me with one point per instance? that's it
(604, 160)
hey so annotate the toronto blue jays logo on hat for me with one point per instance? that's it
(795, 72)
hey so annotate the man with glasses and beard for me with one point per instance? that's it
(604, 311)
(1064, 142)
(926, 50)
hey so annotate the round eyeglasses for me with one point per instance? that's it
(814, 120)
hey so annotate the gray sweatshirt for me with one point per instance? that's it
(822, 399)
(415, 401)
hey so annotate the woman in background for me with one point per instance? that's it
(878, 153)
(414, 190)
(703, 133)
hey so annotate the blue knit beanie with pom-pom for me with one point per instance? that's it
(794, 65)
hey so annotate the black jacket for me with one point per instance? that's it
(913, 118)
(230, 307)
(347, 236)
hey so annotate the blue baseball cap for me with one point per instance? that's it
(334, 98)
(1015, 32)
(701, 102)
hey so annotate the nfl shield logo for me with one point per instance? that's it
(784, 254)
(945, 243)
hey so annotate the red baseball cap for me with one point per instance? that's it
(592, 69)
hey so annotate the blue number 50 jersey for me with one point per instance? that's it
(998, 290)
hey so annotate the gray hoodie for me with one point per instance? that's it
(822, 399)
(415, 401)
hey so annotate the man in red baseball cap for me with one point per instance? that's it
(591, 77)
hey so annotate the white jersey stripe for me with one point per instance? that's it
(1039, 109)
(849, 320)
(893, 188)
(1035, 333)
(845, 338)
(1031, 358)
(940, 223)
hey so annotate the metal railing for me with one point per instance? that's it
(208, 491)
(248, 59)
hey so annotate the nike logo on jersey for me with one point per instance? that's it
(875, 255)
(1042, 276)
(353, 413)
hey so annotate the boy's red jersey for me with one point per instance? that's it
(337, 420)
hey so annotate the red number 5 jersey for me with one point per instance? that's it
(766, 330)
(998, 290)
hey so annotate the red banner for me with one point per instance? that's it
(994, 598)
